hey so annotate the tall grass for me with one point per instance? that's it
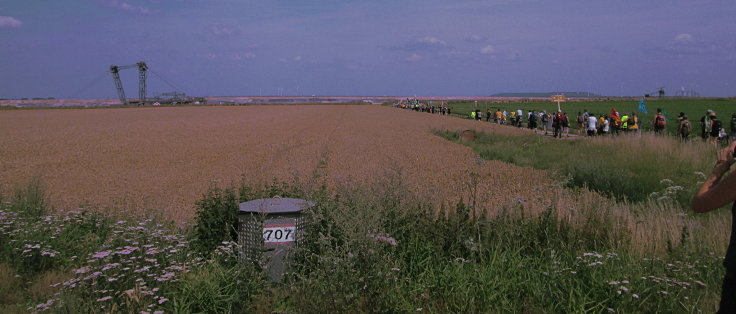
(634, 168)
(377, 247)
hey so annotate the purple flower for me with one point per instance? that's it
(101, 254)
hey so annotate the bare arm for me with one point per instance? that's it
(716, 193)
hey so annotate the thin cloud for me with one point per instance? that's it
(684, 38)
(9, 22)
(127, 7)
(223, 31)
(514, 56)
(413, 58)
(243, 56)
(475, 38)
(428, 43)
(487, 50)
(433, 41)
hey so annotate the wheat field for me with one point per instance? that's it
(161, 160)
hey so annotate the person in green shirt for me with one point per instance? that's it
(625, 123)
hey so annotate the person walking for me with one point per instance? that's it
(606, 126)
(715, 128)
(625, 123)
(705, 125)
(581, 123)
(717, 191)
(684, 127)
(634, 123)
(592, 121)
(545, 119)
(659, 123)
(519, 113)
(532, 121)
(557, 124)
(733, 127)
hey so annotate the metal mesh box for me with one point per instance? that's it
(268, 230)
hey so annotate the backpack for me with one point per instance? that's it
(685, 127)
(533, 118)
(717, 125)
(659, 121)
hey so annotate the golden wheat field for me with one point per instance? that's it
(164, 159)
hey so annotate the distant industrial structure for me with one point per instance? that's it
(171, 98)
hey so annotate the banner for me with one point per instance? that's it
(643, 107)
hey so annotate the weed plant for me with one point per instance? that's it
(634, 168)
(369, 247)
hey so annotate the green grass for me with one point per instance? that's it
(368, 248)
(694, 108)
(635, 168)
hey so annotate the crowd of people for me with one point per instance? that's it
(590, 124)
(414, 104)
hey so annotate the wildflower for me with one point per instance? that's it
(700, 283)
(162, 300)
(45, 306)
(613, 283)
(667, 182)
(102, 254)
(385, 239)
(109, 266)
(396, 269)
(103, 299)
(635, 296)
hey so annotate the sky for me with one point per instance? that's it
(63, 49)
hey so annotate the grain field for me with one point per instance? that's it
(163, 159)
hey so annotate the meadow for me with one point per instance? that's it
(407, 219)
(694, 108)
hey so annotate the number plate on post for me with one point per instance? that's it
(279, 233)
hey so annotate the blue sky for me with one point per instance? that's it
(54, 48)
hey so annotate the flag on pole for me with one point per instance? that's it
(642, 106)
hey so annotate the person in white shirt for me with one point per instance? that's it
(592, 123)
(606, 125)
